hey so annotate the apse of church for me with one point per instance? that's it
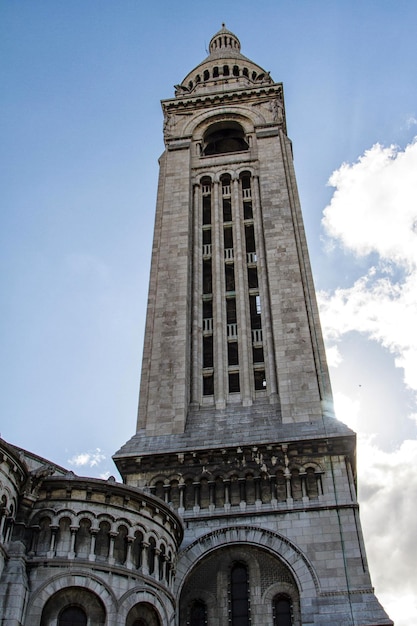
(239, 505)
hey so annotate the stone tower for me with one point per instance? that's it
(235, 427)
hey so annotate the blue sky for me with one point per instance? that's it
(81, 136)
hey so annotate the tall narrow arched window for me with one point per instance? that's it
(72, 616)
(282, 611)
(198, 614)
(239, 595)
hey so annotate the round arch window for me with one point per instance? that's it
(224, 137)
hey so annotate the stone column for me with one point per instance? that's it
(270, 367)
(128, 562)
(242, 492)
(196, 486)
(196, 299)
(226, 483)
(211, 486)
(71, 553)
(303, 477)
(287, 474)
(273, 486)
(242, 294)
(145, 558)
(167, 489)
(92, 555)
(219, 322)
(54, 530)
(156, 563)
(113, 535)
(181, 488)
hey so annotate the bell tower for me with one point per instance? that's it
(235, 425)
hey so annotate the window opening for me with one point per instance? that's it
(207, 280)
(312, 487)
(206, 75)
(206, 210)
(207, 241)
(151, 555)
(231, 310)
(229, 270)
(255, 312)
(208, 385)
(208, 351)
(215, 72)
(250, 239)
(206, 236)
(72, 616)
(234, 384)
(239, 592)
(282, 611)
(198, 614)
(247, 211)
(252, 278)
(245, 72)
(260, 380)
(207, 316)
(258, 354)
(223, 137)
(226, 70)
(227, 210)
(228, 244)
(235, 70)
(232, 353)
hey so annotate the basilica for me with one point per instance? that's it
(238, 504)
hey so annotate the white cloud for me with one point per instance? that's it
(374, 206)
(388, 496)
(91, 459)
(374, 210)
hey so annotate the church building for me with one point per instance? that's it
(238, 504)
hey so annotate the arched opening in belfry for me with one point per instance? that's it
(224, 588)
(223, 137)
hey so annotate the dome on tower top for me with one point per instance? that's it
(223, 42)
(225, 69)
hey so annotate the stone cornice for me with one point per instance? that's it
(330, 445)
(220, 98)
